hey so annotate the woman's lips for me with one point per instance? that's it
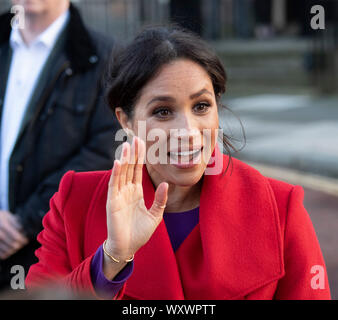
(185, 159)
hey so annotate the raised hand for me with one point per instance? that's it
(129, 223)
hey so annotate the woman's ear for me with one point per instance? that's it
(125, 123)
(122, 118)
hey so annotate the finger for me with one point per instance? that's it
(14, 222)
(3, 253)
(17, 236)
(124, 164)
(140, 151)
(9, 234)
(5, 241)
(161, 196)
(6, 252)
(10, 248)
(131, 166)
(113, 184)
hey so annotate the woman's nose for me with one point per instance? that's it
(181, 133)
(186, 131)
(186, 121)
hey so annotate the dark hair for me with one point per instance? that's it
(136, 64)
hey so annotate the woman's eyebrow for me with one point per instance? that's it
(199, 93)
(161, 98)
(172, 99)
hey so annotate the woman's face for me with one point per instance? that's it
(176, 114)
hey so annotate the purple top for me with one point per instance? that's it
(179, 225)
(104, 287)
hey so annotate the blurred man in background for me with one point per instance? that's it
(52, 118)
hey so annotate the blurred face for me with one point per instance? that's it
(38, 7)
(177, 117)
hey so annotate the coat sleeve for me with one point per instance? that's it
(53, 269)
(96, 154)
(305, 272)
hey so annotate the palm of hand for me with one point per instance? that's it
(132, 224)
(129, 223)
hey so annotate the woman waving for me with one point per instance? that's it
(176, 218)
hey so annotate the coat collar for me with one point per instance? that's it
(234, 250)
(79, 47)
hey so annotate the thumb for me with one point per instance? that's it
(161, 196)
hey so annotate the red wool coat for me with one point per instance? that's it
(254, 240)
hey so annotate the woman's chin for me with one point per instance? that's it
(185, 177)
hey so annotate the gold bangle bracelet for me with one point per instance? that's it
(111, 257)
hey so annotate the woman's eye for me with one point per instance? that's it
(202, 107)
(162, 112)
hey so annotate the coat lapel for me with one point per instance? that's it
(238, 246)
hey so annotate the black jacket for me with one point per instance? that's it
(67, 125)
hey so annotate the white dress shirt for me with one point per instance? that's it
(26, 66)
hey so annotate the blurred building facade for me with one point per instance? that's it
(275, 26)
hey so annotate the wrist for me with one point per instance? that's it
(110, 268)
(116, 255)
